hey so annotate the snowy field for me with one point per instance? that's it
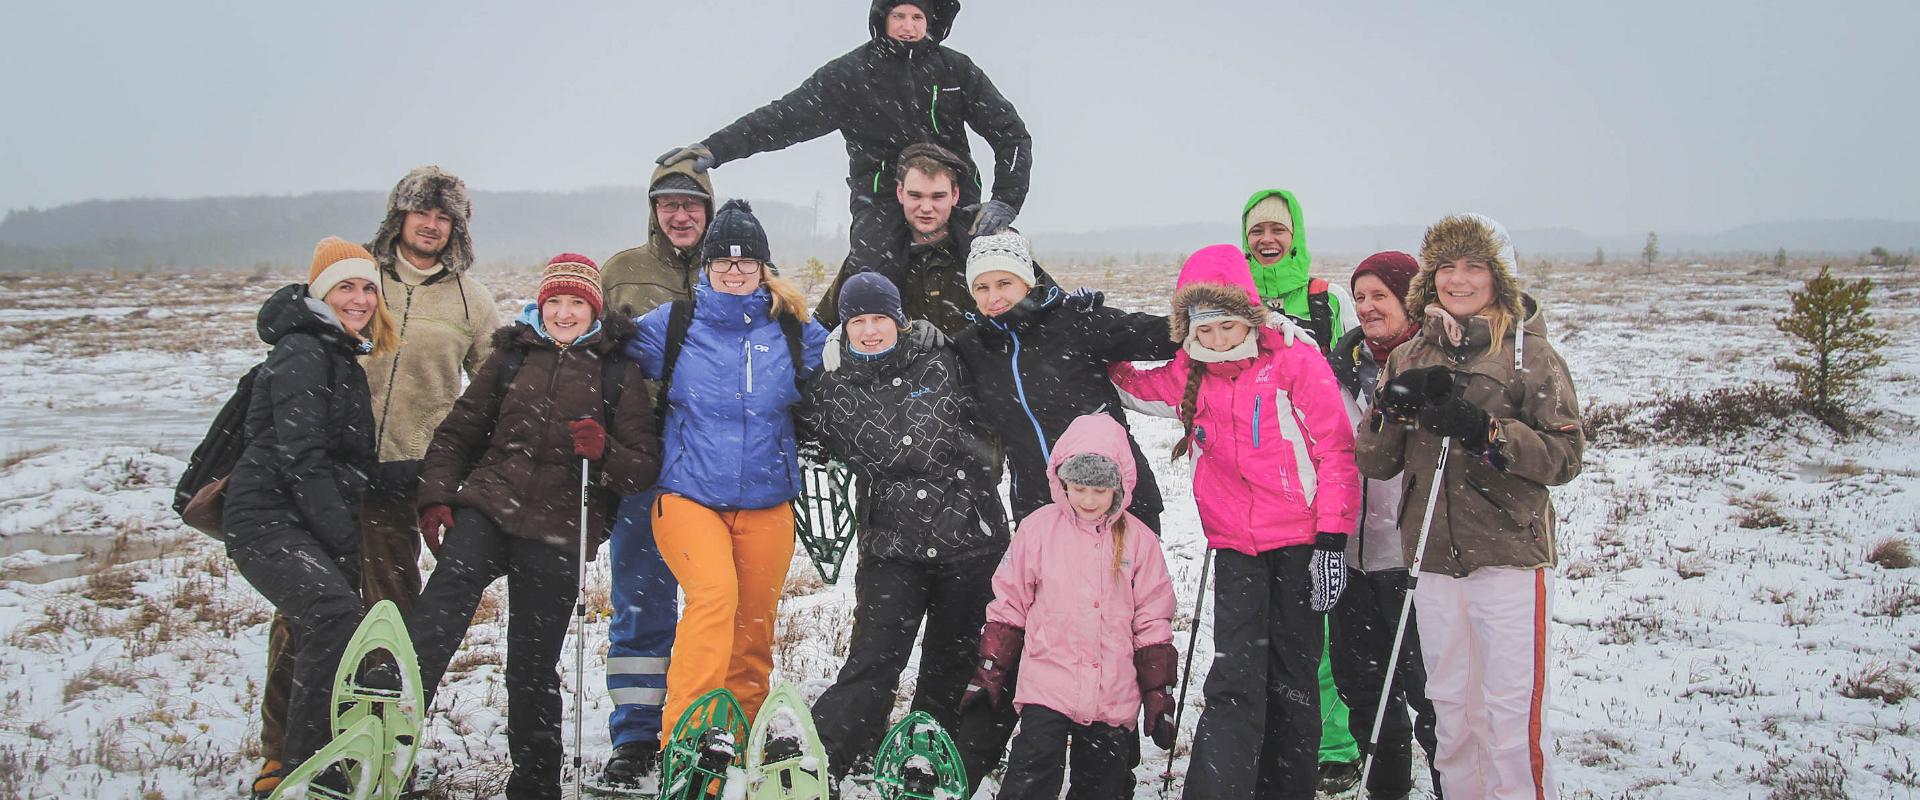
(1719, 630)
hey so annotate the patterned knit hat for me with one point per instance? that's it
(1006, 251)
(335, 260)
(574, 274)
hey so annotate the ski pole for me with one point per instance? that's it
(1193, 639)
(1406, 608)
(580, 632)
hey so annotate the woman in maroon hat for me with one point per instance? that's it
(503, 480)
(1362, 625)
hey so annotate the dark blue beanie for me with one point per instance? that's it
(870, 293)
(735, 233)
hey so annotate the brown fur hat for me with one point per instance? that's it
(1469, 236)
(423, 189)
(1231, 299)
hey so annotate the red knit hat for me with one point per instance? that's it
(574, 274)
(1392, 267)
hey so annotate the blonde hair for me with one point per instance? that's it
(1119, 529)
(382, 331)
(788, 300)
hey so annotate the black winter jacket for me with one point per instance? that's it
(309, 431)
(1040, 365)
(885, 95)
(907, 426)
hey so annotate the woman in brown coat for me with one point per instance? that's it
(502, 478)
(1482, 374)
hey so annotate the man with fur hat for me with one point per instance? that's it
(445, 320)
(902, 86)
(1276, 247)
(933, 278)
(644, 592)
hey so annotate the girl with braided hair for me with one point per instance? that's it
(1277, 490)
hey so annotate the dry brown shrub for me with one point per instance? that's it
(1891, 553)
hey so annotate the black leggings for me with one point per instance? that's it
(541, 588)
(320, 597)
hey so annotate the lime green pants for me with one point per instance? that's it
(1336, 742)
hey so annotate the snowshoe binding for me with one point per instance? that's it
(348, 768)
(918, 761)
(785, 757)
(701, 755)
(388, 690)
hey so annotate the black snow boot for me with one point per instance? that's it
(1338, 776)
(630, 764)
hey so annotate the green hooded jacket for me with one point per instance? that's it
(1283, 285)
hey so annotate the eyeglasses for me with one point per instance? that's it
(744, 266)
(679, 206)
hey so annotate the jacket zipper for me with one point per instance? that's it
(933, 111)
(747, 347)
(1020, 391)
(1256, 422)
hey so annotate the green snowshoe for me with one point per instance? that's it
(348, 768)
(823, 517)
(785, 758)
(703, 754)
(388, 692)
(918, 761)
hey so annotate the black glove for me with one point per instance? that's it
(1457, 418)
(993, 217)
(701, 156)
(1084, 299)
(1403, 397)
(925, 335)
(394, 479)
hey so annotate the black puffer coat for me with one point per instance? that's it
(885, 95)
(309, 431)
(909, 429)
(1040, 365)
(511, 457)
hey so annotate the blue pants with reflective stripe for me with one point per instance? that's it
(645, 611)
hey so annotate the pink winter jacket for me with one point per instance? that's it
(1082, 618)
(1275, 446)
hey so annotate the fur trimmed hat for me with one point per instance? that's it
(425, 189)
(1473, 237)
(574, 274)
(1215, 279)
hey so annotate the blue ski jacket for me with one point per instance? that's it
(728, 440)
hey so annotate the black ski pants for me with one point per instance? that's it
(319, 596)
(1260, 733)
(891, 598)
(1040, 754)
(1363, 625)
(541, 588)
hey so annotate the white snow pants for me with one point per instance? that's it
(1484, 641)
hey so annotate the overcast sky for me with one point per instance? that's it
(1606, 117)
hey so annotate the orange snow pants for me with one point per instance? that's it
(732, 566)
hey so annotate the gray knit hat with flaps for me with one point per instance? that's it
(1095, 470)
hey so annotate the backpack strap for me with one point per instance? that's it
(790, 326)
(612, 369)
(1320, 314)
(679, 321)
(503, 380)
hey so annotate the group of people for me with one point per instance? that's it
(678, 384)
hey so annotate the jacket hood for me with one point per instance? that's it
(290, 310)
(608, 335)
(1099, 434)
(705, 179)
(1214, 277)
(423, 189)
(1290, 272)
(1469, 236)
(940, 15)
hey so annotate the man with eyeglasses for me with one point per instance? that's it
(643, 595)
(902, 86)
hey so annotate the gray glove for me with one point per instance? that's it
(924, 334)
(1329, 570)
(993, 217)
(701, 156)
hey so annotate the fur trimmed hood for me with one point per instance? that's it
(1215, 277)
(425, 188)
(1469, 236)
